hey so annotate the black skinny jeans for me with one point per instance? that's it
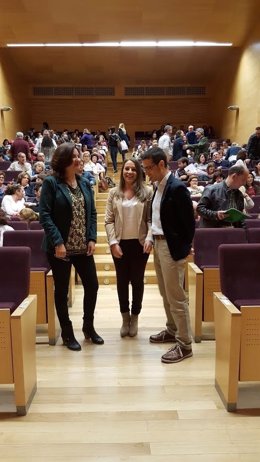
(130, 268)
(86, 268)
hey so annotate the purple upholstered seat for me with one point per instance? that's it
(14, 276)
(252, 223)
(18, 225)
(239, 273)
(256, 208)
(32, 239)
(35, 225)
(207, 241)
(253, 235)
(11, 175)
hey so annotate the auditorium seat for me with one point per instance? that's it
(203, 274)
(17, 326)
(237, 320)
(41, 279)
(18, 224)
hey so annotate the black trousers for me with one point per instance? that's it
(86, 268)
(130, 268)
(113, 153)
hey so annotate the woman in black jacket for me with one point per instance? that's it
(68, 216)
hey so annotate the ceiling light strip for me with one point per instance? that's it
(129, 44)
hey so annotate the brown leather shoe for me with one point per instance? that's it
(176, 354)
(162, 337)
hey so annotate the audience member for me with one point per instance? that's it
(200, 146)
(253, 145)
(180, 173)
(193, 186)
(20, 165)
(113, 143)
(19, 145)
(191, 135)
(13, 201)
(177, 149)
(3, 226)
(2, 185)
(220, 197)
(165, 142)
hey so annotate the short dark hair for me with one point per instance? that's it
(237, 169)
(183, 159)
(62, 158)
(12, 188)
(155, 154)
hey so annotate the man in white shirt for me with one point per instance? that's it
(165, 141)
(173, 228)
(20, 165)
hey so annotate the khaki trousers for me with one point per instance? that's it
(170, 275)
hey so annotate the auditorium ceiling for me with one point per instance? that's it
(33, 21)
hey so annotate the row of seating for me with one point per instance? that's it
(203, 272)
(41, 279)
(17, 326)
(24, 225)
(237, 320)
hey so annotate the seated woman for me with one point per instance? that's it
(202, 164)
(256, 173)
(3, 226)
(24, 180)
(88, 175)
(251, 187)
(2, 185)
(141, 148)
(13, 201)
(193, 186)
(88, 164)
(38, 168)
(98, 169)
(209, 173)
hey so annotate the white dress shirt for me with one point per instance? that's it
(156, 219)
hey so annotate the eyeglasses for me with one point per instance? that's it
(148, 168)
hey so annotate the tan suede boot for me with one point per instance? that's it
(133, 325)
(124, 331)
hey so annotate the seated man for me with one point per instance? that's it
(180, 173)
(220, 197)
(20, 165)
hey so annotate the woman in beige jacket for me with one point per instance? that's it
(128, 228)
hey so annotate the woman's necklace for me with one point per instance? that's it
(72, 183)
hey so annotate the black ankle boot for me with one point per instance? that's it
(68, 338)
(90, 333)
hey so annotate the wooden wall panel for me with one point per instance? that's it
(13, 92)
(239, 83)
(137, 114)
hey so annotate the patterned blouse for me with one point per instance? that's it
(76, 243)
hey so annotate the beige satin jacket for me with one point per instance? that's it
(114, 217)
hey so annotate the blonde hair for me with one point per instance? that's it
(28, 214)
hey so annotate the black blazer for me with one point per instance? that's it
(56, 212)
(177, 218)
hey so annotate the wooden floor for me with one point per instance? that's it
(118, 402)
